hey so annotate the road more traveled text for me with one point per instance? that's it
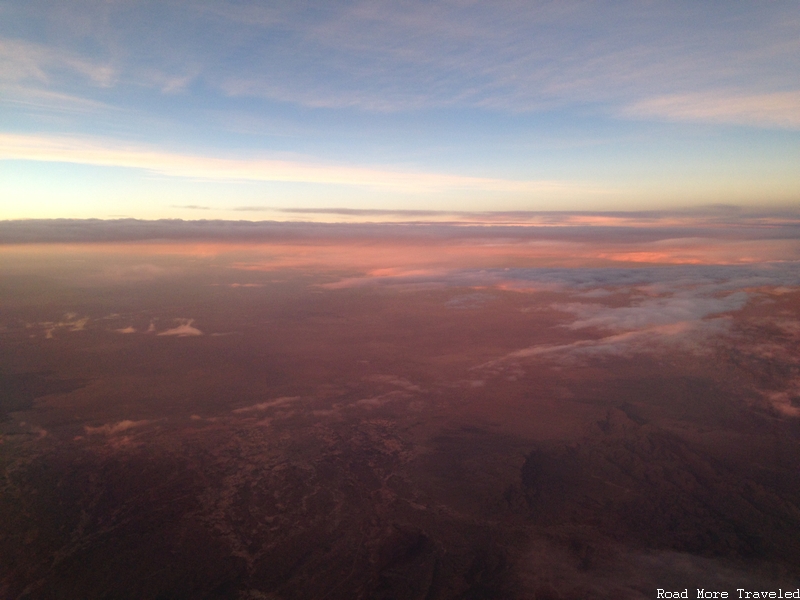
(740, 593)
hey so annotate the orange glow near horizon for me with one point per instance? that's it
(390, 258)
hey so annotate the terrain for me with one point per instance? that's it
(284, 421)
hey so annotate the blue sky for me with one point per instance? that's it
(144, 109)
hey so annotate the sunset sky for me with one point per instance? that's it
(363, 299)
(244, 110)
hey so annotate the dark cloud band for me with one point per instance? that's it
(721, 223)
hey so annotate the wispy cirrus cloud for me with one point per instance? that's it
(388, 56)
(512, 56)
(22, 60)
(776, 109)
(37, 99)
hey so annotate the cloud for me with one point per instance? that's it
(688, 336)
(516, 56)
(191, 206)
(134, 273)
(776, 109)
(114, 428)
(52, 102)
(70, 322)
(707, 215)
(469, 301)
(786, 402)
(262, 406)
(367, 212)
(375, 401)
(184, 329)
(704, 279)
(396, 381)
(707, 279)
(684, 235)
(767, 346)
(389, 56)
(684, 306)
(76, 324)
(399, 277)
(662, 309)
(22, 60)
(115, 154)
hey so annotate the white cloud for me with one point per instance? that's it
(262, 406)
(687, 336)
(70, 322)
(396, 381)
(185, 328)
(682, 306)
(113, 428)
(382, 399)
(667, 308)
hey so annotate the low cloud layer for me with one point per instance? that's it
(597, 282)
(680, 307)
(712, 223)
(119, 324)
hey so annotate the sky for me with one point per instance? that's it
(286, 110)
